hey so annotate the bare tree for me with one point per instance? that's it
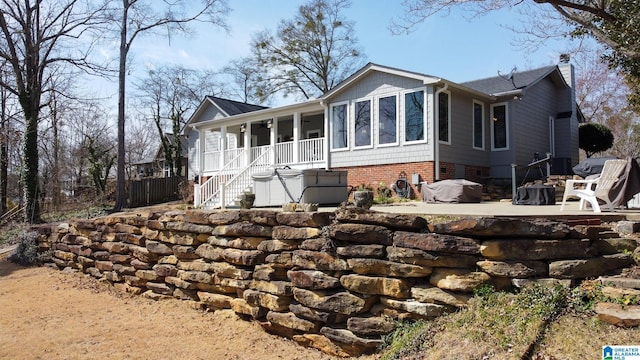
(169, 93)
(601, 94)
(614, 24)
(8, 138)
(38, 34)
(243, 79)
(309, 54)
(137, 18)
(141, 147)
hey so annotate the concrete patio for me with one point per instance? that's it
(506, 208)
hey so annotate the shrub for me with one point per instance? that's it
(594, 138)
(26, 252)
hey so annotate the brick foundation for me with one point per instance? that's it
(372, 175)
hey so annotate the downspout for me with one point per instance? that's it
(436, 132)
(326, 134)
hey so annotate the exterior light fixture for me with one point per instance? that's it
(269, 123)
(243, 127)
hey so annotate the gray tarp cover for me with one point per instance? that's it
(590, 166)
(452, 191)
(627, 186)
(622, 191)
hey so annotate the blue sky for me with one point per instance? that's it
(450, 47)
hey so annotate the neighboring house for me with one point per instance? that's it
(157, 167)
(383, 121)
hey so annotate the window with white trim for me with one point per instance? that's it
(339, 131)
(362, 123)
(414, 124)
(444, 116)
(478, 125)
(388, 120)
(499, 127)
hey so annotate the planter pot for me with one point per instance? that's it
(363, 199)
(246, 201)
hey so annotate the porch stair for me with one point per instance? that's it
(225, 187)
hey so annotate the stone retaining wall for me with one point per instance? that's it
(334, 281)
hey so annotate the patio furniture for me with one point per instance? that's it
(595, 189)
(452, 191)
(535, 195)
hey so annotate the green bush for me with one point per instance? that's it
(594, 138)
(26, 252)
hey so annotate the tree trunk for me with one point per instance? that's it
(30, 154)
(121, 195)
(4, 154)
(55, 168)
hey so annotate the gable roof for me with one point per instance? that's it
(504, 85)
(232, 107)
(226, 107)
(371, 67)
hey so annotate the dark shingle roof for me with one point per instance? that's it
(232, 107)
(501, 84)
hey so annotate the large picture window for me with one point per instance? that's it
(362, 123)
(444, 116)
(387, 117)
(499, 127)
(414, 116)
(478, 125)
(338, 123)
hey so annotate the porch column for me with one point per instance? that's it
(273, 139)
(200, 150)
(296, 137)
(327, 135)
(247, 144)
(223, 145)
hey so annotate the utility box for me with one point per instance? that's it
(280, 186)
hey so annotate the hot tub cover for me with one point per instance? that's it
(452, 191)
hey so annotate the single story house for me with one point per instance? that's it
(157, 167)
(382, 122)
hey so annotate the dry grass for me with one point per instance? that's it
(537, 323)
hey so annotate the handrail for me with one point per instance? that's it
(242, 180)
(210, 188)
(11, 214)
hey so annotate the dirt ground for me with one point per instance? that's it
(48, 314)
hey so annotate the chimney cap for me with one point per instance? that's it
(565, 58)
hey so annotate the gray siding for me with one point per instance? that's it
(382, 84)
(193, 160)
(530, 121)
(568, 145)
(460, 150)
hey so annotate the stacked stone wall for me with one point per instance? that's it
(333, 281)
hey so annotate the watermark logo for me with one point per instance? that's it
(616, 352)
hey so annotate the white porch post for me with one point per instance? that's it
(296, 137)
(201, 150)
(247, 144)
(273, 135)
(223, 145)
(327, 135)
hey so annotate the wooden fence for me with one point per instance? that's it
(154, 191)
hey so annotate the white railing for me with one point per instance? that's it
(212, 160)
(262, 154)
(210, 189)
(284, 153)
(311, 150)
(236, 185)
(235, 159)
(235, 176)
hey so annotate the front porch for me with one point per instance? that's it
(232, 153)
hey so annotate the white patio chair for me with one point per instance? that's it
(611, 172)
